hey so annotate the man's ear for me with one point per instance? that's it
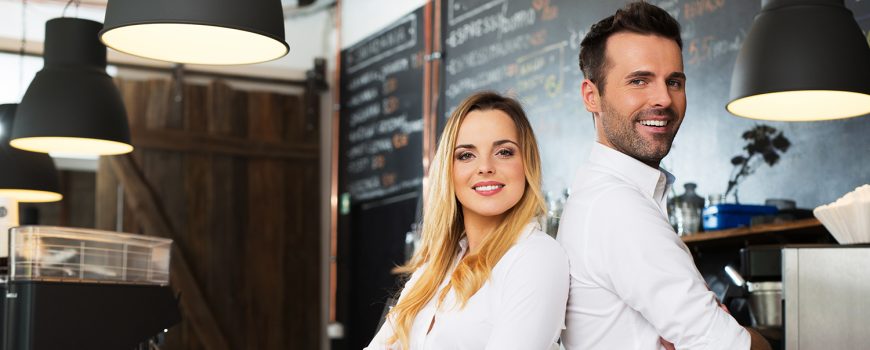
(591, 97)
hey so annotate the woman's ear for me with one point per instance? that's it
(591, 97)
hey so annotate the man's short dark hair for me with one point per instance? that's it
(636, 17)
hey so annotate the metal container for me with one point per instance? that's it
(765, 303)
(826, 293)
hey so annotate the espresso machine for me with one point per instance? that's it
(757, 286)
(825, 292)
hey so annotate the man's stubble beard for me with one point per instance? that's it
(620, 132)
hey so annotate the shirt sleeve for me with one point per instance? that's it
(532, 297)
(380, 341)
(640, 258)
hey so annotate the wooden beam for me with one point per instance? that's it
(142, 200)
(201, 142)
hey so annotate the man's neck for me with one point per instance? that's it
(651, 164)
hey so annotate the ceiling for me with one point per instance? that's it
(308, 31)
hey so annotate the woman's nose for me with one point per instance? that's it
(485, 167)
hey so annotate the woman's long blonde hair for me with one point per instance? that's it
(443, 226)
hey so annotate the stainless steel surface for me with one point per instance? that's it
(765, 303)
(827, 298)
(734, 275)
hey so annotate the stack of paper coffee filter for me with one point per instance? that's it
(848, 218)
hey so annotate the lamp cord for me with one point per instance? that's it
(22, 48)
(77, 2)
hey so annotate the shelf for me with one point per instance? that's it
(804, 227)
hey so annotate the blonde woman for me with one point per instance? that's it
(485, 276)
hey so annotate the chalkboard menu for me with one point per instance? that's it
(529, 49)
(381, 117)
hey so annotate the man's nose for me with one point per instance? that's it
(661, 96)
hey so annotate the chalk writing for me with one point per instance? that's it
(697, 8)
(496, 23)
(400, 36)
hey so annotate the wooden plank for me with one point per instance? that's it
(265, 117)
(303, 263)
(142, 200)
(105, 208)
(265, 279)
(748, 232)
(199, 142)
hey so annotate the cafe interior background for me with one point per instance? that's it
(264, 204)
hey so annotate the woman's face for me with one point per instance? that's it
(487, 165)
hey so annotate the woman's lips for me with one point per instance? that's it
(488, 188)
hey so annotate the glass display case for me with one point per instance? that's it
(48, 253)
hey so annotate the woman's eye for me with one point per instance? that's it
(505, 152)
(464, 156)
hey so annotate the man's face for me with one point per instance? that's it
(645, 98)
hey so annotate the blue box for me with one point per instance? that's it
(722, 216)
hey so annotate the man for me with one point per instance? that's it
(634, 284)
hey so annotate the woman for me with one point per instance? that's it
(485, 276)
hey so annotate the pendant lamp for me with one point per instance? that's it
(803, 60)
(72, 106)
(26, 176)
(216, 32)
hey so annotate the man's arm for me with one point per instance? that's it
(641, 260)
(758, 342)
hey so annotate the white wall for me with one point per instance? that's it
(361, 18)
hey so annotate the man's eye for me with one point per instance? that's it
(637, 82)
(675, 83)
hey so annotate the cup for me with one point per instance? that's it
(687, 218)
(714, 199)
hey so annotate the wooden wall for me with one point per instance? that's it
(233, 177)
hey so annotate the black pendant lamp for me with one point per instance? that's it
(803, 60)
(26, 176)
(217, 32)
(72, 106)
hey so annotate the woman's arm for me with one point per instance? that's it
(532, 294)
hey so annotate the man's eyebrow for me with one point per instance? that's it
(640, 74)
(678, 75)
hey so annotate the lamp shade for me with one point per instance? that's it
(26, 176)
(72, 106)
(802, 60)
(217, 32)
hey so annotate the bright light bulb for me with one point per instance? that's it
(71, 145)
(803, 105)
(194, 43)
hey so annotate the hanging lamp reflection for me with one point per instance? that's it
(26, 176)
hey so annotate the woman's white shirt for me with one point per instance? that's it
(521, 306)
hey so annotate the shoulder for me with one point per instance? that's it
(536, 248)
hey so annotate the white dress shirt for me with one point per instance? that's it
(632, 278)
(521, 306)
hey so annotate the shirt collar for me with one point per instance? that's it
(653, 182)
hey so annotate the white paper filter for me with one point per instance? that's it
(848, 218)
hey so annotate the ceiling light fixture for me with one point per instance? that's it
(215, 32)
(72, 105)
(803, 60)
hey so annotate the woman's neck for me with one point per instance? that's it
(477, 227)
